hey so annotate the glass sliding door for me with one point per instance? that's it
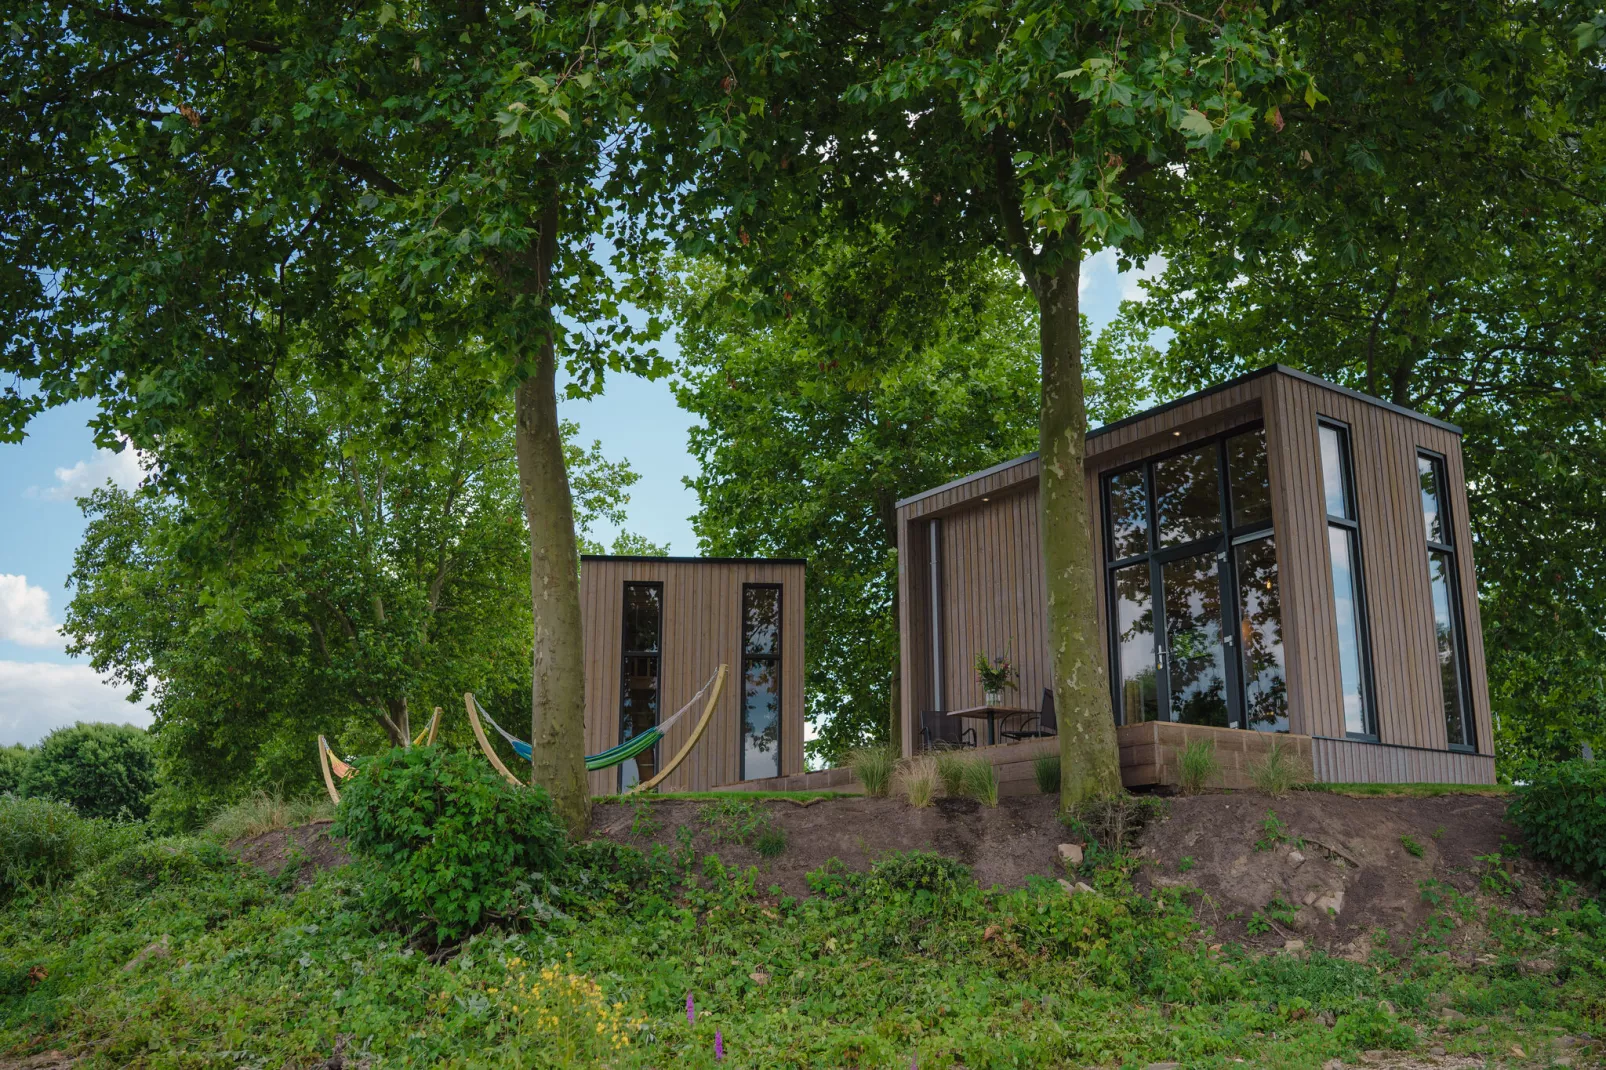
(761, 682)
(641, 673)
(1195, 620)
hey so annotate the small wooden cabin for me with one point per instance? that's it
(1278, 554)
(655, 630)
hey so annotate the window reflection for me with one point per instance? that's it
(761, 682)
(1248, 478)
(1129, 515)
(1341, 546)
(1427, 473)
(1444, 629)
(1335, 473)
(1187, 497)
(1260, 637)
(1196, 668)
(639, 686)
(1135, 639)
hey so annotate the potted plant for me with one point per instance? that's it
(995, 675)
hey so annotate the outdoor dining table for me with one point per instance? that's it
(991, 712)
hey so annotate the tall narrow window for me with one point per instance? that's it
(1449, 638)
(1343, 544)
(640, 674)
(761, 681)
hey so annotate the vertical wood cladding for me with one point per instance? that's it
(993, 594)
(702, 629)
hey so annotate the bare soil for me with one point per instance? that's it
(310, 846)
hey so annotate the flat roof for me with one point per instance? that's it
(1270, 369)
(698, 560)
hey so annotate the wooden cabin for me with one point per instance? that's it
(1278, 555)
(656, 629)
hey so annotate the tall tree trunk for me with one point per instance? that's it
(557, 694)
(886, 506)
(1089, 762)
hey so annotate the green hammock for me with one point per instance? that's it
(605, 760)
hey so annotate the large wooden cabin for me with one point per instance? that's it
(1277, 554)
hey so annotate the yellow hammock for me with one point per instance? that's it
(334, 768)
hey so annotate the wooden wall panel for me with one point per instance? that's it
(1342, 761)
(701, 629)
(993, 576)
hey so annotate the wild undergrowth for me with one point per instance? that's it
(909, 961)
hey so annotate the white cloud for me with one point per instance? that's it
(25, 613)
(1104, 265)
(122, 468)
(36, 697)
(1151, 269)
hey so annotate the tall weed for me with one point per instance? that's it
(263, 811)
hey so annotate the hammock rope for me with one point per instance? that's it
(630, 748)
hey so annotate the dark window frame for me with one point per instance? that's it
(1458, 623)
(1222, 544)
(1352, 525)
(776, 658)
(625, 654)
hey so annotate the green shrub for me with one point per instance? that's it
(1562, 814)
(1198, 765)
(923, 871)
(1280, 771)
(102, 770)
(14, 763)
(45, 843)
(447, 841)
(137, 869)
(951, 771)
(874, 766)
(263, 811)
(1046, 770)
(981, 780)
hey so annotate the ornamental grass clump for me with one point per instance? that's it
(981, 780)
(1046, 771)
(1198, 765)
(1280, 771)
(263, 811)
(917, 779)
(874, 767)
(951, 771)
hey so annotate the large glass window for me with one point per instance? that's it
(641, 670)
(1196, 624)
(1349, 607)
(761, 681)
(1449, 637)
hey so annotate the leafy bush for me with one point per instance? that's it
(1116, 820)
(1198, 765)
(45, 843)
(874, 766)
(447, 840)
(951, 771)
(922, 871)
(1280, 771)
(102, 770)
(1046, 770)
(263, 811)
(917, 779)
(1562, 813)
(14, 763)
(139, 868)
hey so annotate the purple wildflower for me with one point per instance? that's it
(719, 1046)
(691, 1010)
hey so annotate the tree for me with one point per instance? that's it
(1435, 241)
(195, 191)
(102, 770)
(14, 763)
(808, 439)
(1032, 129)
(402, 587)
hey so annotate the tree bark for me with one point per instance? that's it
(1089, 760)
(886, 507)
(557, 693)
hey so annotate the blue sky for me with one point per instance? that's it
(42, 688)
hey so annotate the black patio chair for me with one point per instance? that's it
(938, 730)
(1042, 725)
